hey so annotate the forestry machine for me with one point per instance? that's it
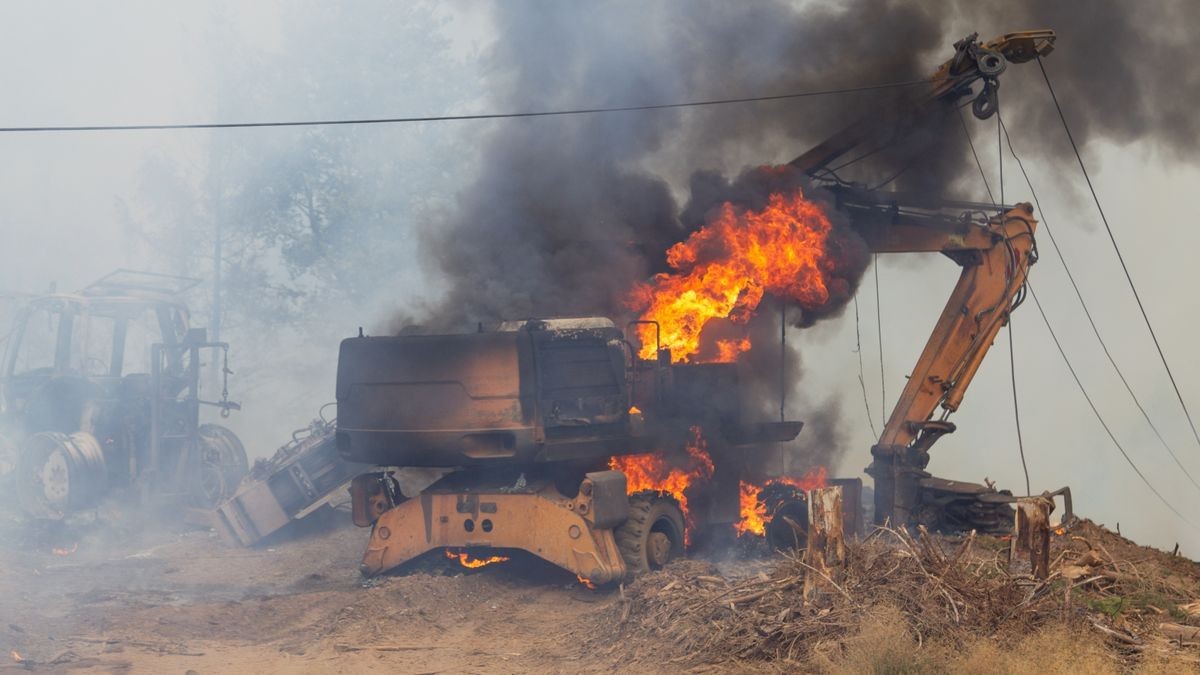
(526, 416)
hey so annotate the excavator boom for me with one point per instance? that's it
(995, 257)
(994, 245)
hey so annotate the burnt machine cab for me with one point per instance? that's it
(541, 390)
(529, 391)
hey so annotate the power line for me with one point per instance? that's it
(481, 116)
(1096, 412)
(1121, 258)
(1088, 313)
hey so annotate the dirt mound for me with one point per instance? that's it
(1130, 604)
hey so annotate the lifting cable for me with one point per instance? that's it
(1061, 351)
(879, 327)
(1012, 350)
(1088, 313)
(1012, 361)
(481, 116)
(1128, 277)
(967, 133)
(862, 382)
(1096, 412)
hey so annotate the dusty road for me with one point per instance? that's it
(155, 600)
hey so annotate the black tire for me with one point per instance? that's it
(653, 535)
(780, 533)
(220, 462)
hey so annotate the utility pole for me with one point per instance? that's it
(215, 320)
(216, 185)
(215, 323)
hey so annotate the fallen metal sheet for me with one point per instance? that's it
(303, 475)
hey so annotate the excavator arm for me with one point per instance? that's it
(994, 246)
(995, 256)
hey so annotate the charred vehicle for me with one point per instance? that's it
(530, 416)
(100, 389)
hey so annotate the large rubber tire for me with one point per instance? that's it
(60, 473)
(780, 533)
(220, 464)
(653, 535)
(10, 457)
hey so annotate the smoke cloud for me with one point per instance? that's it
(570, 213)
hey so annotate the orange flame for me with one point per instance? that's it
(654, 472)
(586, 582)
(66, 551)
(754, 516)
(470, 562)
(728, 350)
(1060, 531)
(15, 656)
(724, 269)
(634, 410)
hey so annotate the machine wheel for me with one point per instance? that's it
(653, 534)
(59, 473)
(780, 533)
(10, 455)
(220, 464)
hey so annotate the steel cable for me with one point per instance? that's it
(1128, 277)
(481, 116)
(1088, 313)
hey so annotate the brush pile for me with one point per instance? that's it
(947, 590)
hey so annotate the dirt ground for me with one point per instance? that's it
(114, 593)
(160, 600)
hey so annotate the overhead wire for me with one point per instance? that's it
(1096, 411)
(1088, 313)
(479, 116)
(1121, 258)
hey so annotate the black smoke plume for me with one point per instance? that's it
(568, 213)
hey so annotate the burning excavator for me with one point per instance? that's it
(605, 451)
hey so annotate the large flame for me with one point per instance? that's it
(723, 270)
(654, 472)
(471, 562)
(754, 516)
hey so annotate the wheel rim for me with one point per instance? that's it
(59, 473)
(212, 485)
(220, 462)
(55, 479)
(658, 549)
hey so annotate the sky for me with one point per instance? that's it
(131, 62)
